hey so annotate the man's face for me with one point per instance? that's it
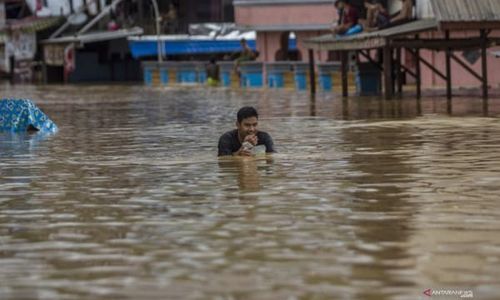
(247, 126)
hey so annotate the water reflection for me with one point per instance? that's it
(365, 199)
(247, 171)
(381, 213)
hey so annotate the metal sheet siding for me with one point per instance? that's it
(466, 10)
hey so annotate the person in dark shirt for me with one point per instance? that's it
(240, 141)
(350, 15)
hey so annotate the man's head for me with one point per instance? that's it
(243, 42)
(247, 121)
(339, 4)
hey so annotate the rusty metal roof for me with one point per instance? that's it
(466, 10)
(33, 24)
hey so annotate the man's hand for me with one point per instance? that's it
(243, 152)
(252, 139)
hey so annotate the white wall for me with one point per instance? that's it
(58, 7)
(422, 9)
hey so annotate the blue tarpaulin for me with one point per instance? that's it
(140, 48)
(16, 115)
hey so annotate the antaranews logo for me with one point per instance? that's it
(449, 292)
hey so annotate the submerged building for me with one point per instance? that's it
(86, 41)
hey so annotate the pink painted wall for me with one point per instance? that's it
(267, 45)
(285, 14)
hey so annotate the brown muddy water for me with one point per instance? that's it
(366, 199)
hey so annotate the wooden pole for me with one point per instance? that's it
(430, 66)
(448, 67)
(344, 67)
(12, 72)
(312, 75)
(419, 74)
(387, 72)
(471, 71)
(484, 65)
(399, 75)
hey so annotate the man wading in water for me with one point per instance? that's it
(245, 140)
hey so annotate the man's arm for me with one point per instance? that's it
(224, 146)
(268, 142)
(405, 13)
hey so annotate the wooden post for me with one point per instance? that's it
(12, 73)
(484, 66)
(418, 78)
(345, 108)
(312, 105)
(448, 67)
(387, 72)
(399, 75)
(44, 70)
(419, 74)
(344, 68)
(312, 75)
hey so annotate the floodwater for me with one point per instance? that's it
(366, 199)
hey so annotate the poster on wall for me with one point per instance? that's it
(53, 54)
(23, 72)
(21, 45)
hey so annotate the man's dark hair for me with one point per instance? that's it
(247, 112)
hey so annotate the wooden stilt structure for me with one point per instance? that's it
(447, 17)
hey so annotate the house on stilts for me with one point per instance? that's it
(447, 44)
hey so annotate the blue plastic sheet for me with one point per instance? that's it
(16, 115)
(140, 48)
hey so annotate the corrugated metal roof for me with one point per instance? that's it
(466, 10)
(33, 24)
(96, 36)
